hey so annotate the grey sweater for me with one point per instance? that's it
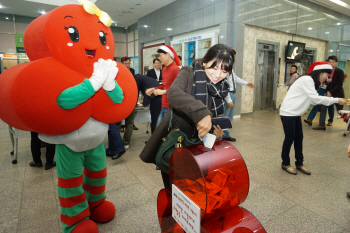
(187, 112)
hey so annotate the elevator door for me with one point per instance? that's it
(265, 77)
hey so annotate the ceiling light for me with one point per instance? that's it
(7, 17)
(145, 26)
(327, 32)
(169, 29)
(338, 23)
(43, 12)
(287, 31)
(331, 51)
(0, 6)
(341, 3)
(309, 28)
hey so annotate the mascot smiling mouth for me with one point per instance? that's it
(90, 53)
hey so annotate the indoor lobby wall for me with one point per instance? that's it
(251, 35)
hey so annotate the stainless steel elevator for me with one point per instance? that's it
(266, 76)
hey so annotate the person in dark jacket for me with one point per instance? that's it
(156, 72)
(195, 96)
(154, 102)
(334, 89)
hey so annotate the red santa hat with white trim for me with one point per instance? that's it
(323, 66)
(172, 52)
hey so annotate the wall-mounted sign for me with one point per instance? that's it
(19, 43)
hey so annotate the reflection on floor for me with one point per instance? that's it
(282, 202)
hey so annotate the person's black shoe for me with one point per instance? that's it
(230, 139)
(49, 166)
(33, 164)
(118, 155)
(135, 128)
(122, 130)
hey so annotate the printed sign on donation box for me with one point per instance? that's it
(185, 212)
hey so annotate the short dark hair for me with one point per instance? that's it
(125, 59)
(180, 58)
(161, 51)
(295, 67)
(334, 58)
(156, 59)
(219, 53)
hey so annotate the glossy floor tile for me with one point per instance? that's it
(281, 202)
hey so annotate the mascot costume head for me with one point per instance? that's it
(68, 93)
(62, 46)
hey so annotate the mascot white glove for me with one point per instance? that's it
(109, 85)
(99, 76)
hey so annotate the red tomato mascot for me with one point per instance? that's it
(69, 92)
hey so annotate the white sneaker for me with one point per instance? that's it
(126, 147)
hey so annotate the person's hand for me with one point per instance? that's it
(230, 105)
(218, 132)
(158, 92)
(345, 76)
(100, 73)
(348, 151)
(329, 94)
(150, 91)
(342, 101)
(204, 126)
(109, 85)
(251, 85)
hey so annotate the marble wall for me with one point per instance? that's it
(251, 35)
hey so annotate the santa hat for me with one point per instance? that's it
(171, 51)
(324, 66)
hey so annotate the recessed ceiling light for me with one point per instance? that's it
(7, 17)
(0, 6)
(145, 26)
(287, 31)
(169, 29)
(331, 51)
(327, 32)
(309, 28)
(43, 12)
(338, 23)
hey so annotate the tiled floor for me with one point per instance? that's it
(281, 202)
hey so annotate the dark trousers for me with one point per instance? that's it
(323, 114)
(129, 127)
(166, 180)
(339, 107)
(115, 141)
(35, 146)
(155, 107)
(293, 132)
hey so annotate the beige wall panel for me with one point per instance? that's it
(120, 50)
(119, 37)
(251, 35)
(7, 43)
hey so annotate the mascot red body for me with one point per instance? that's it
(66, 46)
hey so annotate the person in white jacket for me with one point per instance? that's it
(298, 99)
